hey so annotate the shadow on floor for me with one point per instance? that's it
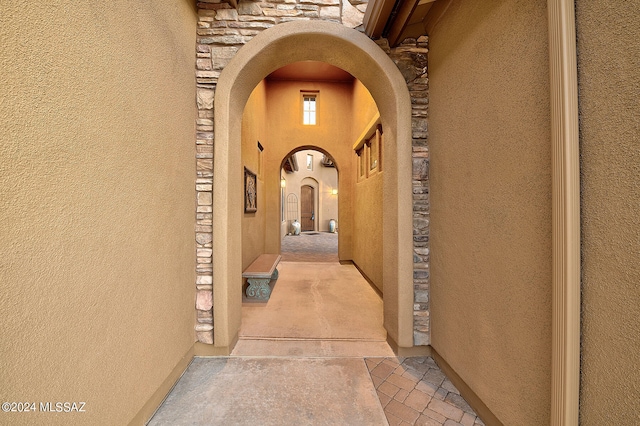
(315, 353)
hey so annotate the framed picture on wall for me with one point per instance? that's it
(250, 191)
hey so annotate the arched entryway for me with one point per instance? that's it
(358, 55)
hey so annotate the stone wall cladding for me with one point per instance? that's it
(222, 30)
(411, 58)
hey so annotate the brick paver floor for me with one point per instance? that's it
(414, 391)
(310, 247)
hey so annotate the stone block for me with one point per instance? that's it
(351, 17)
(204, 164)
(233, 39)
(204, 149)
(204, 253)
(420, 274)
(204, 300)
(203, 237)
(421, 223)
(214, 31)
(205, 198)
(204, 279)
(205, 317)
(258, 18)
(203, 64)
(421, 296)
(205, 337)
(249, 8)
(250, 26)
(278, 13)
(205, 98)
(227, 15)
(330, 12)
(322, 2)
(421, 338)
(204, 327)
(420, 168)
(204, 135)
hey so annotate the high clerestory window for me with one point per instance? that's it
(309, 108)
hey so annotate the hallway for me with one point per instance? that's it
(315, 353)
(310, 247)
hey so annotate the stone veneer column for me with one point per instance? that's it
(221, 32)
(411, 58)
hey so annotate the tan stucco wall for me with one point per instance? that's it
(609, 85)
(491, 203)
(367, 241)
(253, 130)
(97, 120)
(367, 236)
(286, 133)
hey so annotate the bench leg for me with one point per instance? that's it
(259, 288)
(274, 276)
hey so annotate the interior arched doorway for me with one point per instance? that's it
(324, 187)
(355, 53)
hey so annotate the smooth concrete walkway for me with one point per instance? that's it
(315, 309)
(314, 354)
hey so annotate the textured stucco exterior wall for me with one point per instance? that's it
(367, 223)
(609, 89)
(254, 124)
(367, 242)
(286, 133)
(96, 193)
(491, 203)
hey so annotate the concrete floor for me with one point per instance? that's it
(315, 309)
(314, 354)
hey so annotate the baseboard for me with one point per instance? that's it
(153, 403)
(467, 393)
(371, 283)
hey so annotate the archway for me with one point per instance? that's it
(355, 53)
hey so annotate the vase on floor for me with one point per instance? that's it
(295, 227)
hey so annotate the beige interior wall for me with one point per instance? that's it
(97, 120)
(253, 130)
(491, 203)
(609, 85)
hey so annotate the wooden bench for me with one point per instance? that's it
(259, 274)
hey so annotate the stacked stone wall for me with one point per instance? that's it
(222, 31)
